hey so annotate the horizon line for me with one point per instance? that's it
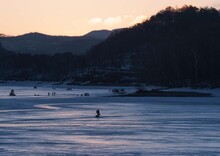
(36, 32)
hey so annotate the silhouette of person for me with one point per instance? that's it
(12, 93)
(97, 113)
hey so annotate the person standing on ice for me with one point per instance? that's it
(12, 93)
(97, 113)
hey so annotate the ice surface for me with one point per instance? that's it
(65, 124)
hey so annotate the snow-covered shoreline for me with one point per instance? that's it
(50, 86)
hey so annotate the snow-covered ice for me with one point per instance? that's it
(65, 124)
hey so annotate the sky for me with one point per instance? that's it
(77, 17)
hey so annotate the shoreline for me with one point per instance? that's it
(167, 94)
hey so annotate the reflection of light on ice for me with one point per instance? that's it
(16, 110)
(45, 106)
(95, 140)
(39, 125)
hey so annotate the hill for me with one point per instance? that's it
(37, 43)
(103, 34)
(175, 47)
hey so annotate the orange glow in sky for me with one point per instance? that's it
(77, 17)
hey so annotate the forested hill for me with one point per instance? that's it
(37, 43)
(174, 47)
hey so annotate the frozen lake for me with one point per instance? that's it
(64, 125)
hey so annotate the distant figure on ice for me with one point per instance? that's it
(48, 94)
(97, 113)
(12, 93)
(86, 94)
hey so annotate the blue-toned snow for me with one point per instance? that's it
(64, 125)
